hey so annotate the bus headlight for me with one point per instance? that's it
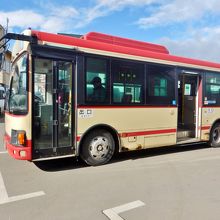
(18, 137)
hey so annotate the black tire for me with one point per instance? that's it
(98, 147)
(215, 136)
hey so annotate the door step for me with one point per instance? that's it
(188, 141)
(182, 134)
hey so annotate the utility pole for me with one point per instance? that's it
(2, 33)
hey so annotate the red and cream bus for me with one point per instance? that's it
(94, 95)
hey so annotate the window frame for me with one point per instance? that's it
(174, 78)
(206, 73)
(143, 93)
(81, 81)
(26, 111)
(108, 80)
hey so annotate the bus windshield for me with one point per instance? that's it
(17, 100)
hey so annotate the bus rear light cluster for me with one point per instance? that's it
(18, 138)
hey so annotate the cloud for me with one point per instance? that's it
(178, 11)
(196, 35)
(105, 7)
(64, 12)
(55, 19)
(200, 44)
(58, 18)
(111, 5)
(21, 18)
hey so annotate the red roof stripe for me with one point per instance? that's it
(71, 41)
(104, 38)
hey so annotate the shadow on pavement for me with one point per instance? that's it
(76, 163)
(60, 164)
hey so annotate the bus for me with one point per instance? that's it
(94, 95)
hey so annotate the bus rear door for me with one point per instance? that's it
(188, 115)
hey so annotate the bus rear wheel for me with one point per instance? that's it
(215, 136)
(98, 147)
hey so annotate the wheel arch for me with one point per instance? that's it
(212, 142)
(109, 128)
(213, 124)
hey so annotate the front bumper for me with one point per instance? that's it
(19, 153)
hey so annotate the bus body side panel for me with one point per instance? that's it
(138, 127)
(209, 116)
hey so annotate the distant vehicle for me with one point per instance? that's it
(2, 100)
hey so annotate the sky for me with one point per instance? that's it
(189, 28)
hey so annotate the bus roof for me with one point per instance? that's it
(118, 45)
(109, 39)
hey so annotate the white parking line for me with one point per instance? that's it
(4, 195)
(3, 152)
(112, 213)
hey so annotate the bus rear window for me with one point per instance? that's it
(18, 87)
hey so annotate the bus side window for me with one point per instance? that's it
(212, 89)
(127, 82)
(96, 81)
(160, 85)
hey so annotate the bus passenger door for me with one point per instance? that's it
(188, 107)
(63, 107)
(52, 108)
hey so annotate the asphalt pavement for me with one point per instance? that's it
(178, 183)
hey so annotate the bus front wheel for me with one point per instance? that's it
(215, 136)
(98, 147)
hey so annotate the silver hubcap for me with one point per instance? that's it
(216, 135)
(99, 147)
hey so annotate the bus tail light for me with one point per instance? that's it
(18, 137)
